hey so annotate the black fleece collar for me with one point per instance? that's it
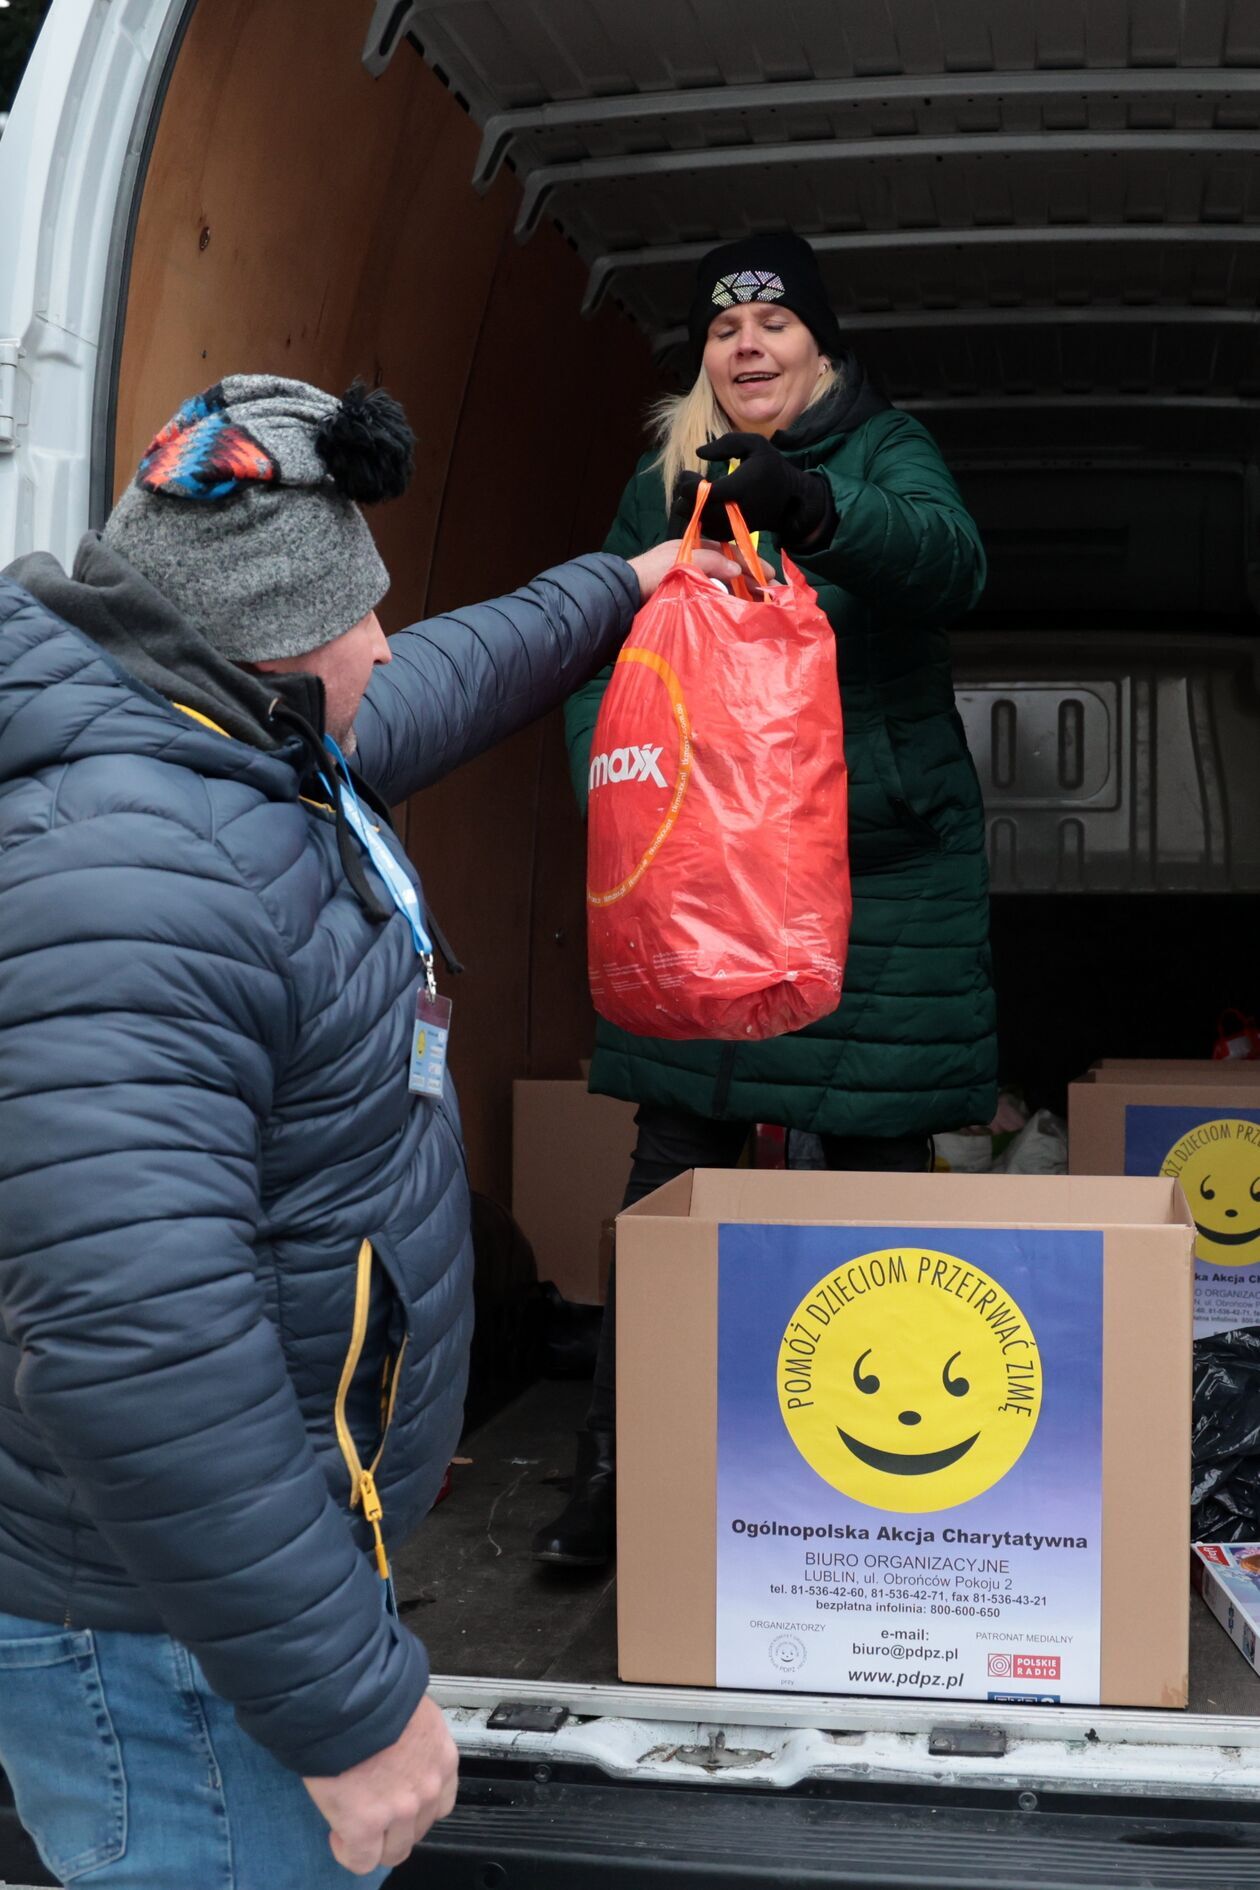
(853, 402)
(107, 600)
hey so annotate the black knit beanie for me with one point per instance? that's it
(781, 269)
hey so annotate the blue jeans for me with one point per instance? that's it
(130, 1773)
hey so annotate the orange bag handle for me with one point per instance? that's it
(739, 532)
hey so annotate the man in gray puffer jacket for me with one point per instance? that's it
(234, 1245)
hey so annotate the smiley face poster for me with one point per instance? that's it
(910, 1461)
(1215, 1155)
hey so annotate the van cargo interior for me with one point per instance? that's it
(1039, 225)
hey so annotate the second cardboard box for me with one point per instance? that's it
(1198, 1124)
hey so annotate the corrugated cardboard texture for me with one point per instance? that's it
(1234, 1071)
(666, 1440)
(1148, 1315)
(570, 1163)
(667, 1397)
(928, 1200)
(1097, 1104)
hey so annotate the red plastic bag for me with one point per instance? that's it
(718, 899)
(1236, 1036)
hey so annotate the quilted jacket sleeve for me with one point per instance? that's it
(626, 539)
(904, 542)
(143, 1000)
(460, 683)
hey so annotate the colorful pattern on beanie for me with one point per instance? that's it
(201, 454)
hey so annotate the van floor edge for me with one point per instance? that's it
(467, 1583)
(469, 1587)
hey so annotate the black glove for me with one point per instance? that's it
(772, 494)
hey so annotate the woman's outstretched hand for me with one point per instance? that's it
(773, 494)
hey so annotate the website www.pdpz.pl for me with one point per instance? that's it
(909, 1675)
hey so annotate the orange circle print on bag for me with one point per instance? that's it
(643, 763)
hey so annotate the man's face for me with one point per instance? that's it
(345, 667)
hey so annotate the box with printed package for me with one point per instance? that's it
(1227, 1575)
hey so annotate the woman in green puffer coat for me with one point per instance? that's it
(858, 494)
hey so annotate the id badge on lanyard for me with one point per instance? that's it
(426, 1075)
(426, 1072)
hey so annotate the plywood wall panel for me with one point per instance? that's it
(302, 218)
(538, 463)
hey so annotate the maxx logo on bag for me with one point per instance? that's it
(627, 764)
(648, 699)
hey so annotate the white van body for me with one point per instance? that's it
(67, 161)
(75, 156)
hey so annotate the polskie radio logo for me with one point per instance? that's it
(1025, 1666)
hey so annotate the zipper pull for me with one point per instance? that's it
(373, 1511)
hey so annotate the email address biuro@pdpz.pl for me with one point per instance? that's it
(900, 1650)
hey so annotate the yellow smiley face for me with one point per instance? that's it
(1218, 1166)
(909, 1380)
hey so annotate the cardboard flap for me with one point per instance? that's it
(811, 1195)
(674, 1199)
(1189, 1074)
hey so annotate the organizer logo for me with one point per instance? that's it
(910, 1380)
(788, 1653)
(627, 764)
(1218, 1166)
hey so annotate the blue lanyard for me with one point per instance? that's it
(399, 884)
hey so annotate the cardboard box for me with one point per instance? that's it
(897, 1435)
(1227, 1575)
(570, 1163)
(1199, 1124)
(1145, 1070)
(607, 1251)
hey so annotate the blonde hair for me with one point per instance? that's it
(684, 422)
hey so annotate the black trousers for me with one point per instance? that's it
(669, 1144)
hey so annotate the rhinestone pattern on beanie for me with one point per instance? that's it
(748, 285)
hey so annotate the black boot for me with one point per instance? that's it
(584, 1534)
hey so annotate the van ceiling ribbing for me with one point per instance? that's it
(1018, 204)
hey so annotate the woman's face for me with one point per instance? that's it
(764, 364)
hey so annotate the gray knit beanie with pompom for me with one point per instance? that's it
(245, 515)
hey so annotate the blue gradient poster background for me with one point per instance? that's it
(996, 1595)
(1215, 1154)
